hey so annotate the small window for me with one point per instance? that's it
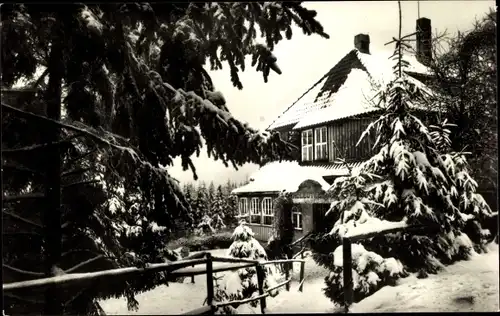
(255, 215)
(320, 143)
(242, 207)
(307, 145)
(297, 218)
(267, 211)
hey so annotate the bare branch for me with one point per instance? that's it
(40, 79)
(74, 297)
(19, 167)
(82, 264)
(39, 146)
(11, 198)
(72, 161)
(24, 298)
(75, 171)
(78, 250)
(20, 233)
(83, 131)
(22, 219)
(30, 273)
(80, 183)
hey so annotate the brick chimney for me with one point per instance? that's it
(362, 43)
(424, 41)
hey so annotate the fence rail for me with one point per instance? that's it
(189, 266)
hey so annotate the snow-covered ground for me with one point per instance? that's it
(466, 286)
(449, 291)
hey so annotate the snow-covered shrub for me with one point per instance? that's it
(414, 178)
(242, 283)
(370, 271)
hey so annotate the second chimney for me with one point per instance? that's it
(424, 41)
(362, 43)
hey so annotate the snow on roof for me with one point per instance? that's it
(288, 175)
(342, 92)
(305, 104)
(283, 176)
(352, 98)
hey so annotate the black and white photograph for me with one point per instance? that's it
(169, 158)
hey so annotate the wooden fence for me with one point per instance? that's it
(347, 255)
(199, 263)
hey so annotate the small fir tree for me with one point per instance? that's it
(219, 209)
(242, 283)
(409, 181)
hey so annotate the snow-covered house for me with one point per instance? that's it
(326, 123)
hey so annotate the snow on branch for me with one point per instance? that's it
(366, 225)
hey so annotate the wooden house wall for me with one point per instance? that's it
(346, 134)
(263, 232)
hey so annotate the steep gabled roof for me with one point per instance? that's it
(344, 91)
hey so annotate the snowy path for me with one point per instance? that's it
(477, 277)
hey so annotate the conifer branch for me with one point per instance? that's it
(22, 219)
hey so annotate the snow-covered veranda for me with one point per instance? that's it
(449, 291)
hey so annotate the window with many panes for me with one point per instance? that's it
(320, 143)
(307, 145)
(243, 207)
(255, 215)
(297, 218)
(267, 211)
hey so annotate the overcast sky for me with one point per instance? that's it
(305, 59)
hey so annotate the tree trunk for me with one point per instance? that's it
(52, 211)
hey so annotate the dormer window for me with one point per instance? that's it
(320, 143)
(307, 145)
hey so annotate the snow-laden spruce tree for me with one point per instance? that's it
(242, 283)
(220, 209)
(121, 90)
(411, 180)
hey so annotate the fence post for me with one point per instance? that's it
(260, 281)
(192, 277)
(302, 267)
(210, 282)
(347, 267)
(287, 275)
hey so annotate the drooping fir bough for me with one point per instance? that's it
(120, 91)
(414, 178)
